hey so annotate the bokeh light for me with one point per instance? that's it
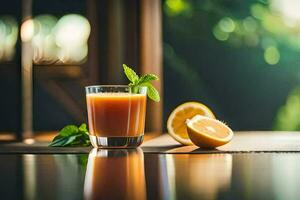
(271, 25)
(55, 40)
(44, 48)
(237, 31)
(250, 37)
(72, 30)
(227, 25)
(8, 37)
(250, 24)
(289, 10)
(258, 11)
(71, 34)
(177, 7)
(27, 30)
(272, 55)
(220, 34)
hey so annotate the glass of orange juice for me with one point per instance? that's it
(116, 115)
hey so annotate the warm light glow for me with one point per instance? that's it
(71, 35)
(72, 30)
(57, 40)
(289, 9)
(27, 30)
(29, 141)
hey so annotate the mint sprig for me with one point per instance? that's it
(144, 80)
(72, 136)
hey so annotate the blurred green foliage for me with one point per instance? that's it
(223, 52)
(264, 25)
(288, 117)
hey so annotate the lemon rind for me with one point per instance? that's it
(187, 141)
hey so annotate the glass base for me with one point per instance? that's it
(116, 142)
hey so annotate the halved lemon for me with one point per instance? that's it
(176, 123)
(208, 133)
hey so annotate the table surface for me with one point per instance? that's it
(137, 174)
(242, 142)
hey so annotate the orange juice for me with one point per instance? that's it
(116, 114)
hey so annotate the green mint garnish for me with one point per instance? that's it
(72, 136)
(145, 80)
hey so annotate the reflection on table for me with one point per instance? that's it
(190, 176)
(115, 174)
(130, 174)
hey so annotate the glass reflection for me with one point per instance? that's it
(204, 175)
(115, 174)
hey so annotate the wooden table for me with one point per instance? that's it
(146, 173)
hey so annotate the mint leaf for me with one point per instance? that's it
(57, 138)
(83, 128)
(72, 135)
(147, 78)
(63, 141)
(131, 75)
(80, 140)
(68, 130)
(152, 92)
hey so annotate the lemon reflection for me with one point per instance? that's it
(115, 174)
(199, 175)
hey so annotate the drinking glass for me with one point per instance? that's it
(116, 115)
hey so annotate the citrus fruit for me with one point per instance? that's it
(208, 133)
(176, 123)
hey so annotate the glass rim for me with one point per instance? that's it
(110, 86)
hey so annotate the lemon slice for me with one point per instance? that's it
(176, 123)
(208, 133)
